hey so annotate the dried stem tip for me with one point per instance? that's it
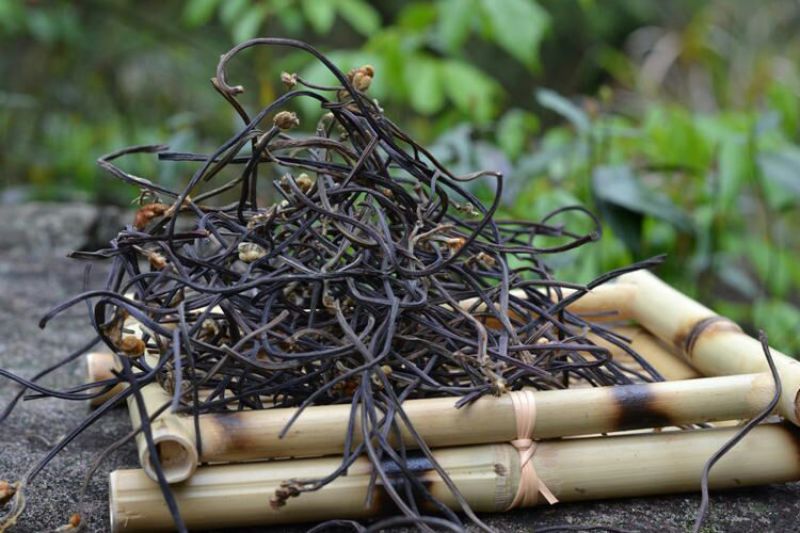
(361, 77)
(7, 491)
(287, 120)
(250, 251)
(289, 80)
(147, 213)
(132, 346)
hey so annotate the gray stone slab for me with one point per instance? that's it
(35, 275)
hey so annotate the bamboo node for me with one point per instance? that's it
(716, 322)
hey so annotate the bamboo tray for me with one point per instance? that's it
(680, 338)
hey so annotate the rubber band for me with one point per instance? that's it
(530, 486)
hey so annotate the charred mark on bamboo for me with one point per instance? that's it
(794, 434)
(231, 430)
(797, 405)
(423, 470)
(415, 462)
(637, 408)
(686, 338)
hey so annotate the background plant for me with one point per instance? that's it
(677, 122)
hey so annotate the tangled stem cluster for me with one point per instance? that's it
(376, 277)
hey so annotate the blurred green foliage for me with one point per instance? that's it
(677, 122)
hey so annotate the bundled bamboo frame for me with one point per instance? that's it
(678, 336)
(487, 476)
(253, 435)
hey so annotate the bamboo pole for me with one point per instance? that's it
(177, 449)
(666, 360)
(711, 343)
(98, 368)
(487, 475)
(605, 302)
(252, 435)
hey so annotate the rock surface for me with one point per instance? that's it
(35, 275)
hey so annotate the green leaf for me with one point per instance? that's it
(198, 12)
(782, 321)
(518, 27)
(673, 137)
(470, 89)
(734, 169)
(618, 186)
(360, 15)
(514, 129)
(782, 169)
(417, 16)
(320, 14)
(456, 18)
(248, 25)
(784, 100)
(42, 25)
(232, 10)
(557, 103)
(424, 81)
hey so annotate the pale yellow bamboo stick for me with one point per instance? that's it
(487, 475)
(252, 435)
(98, 368)
(177, 450)
(605, 302)
(712, 344)
(667, 361)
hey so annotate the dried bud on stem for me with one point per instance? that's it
(7, 491)
(250, 252)
(286, 120)
(361, 77)
(486, 259)
(289, 80)
(304, 182)
(455, 243)
(132, 346)
(147, 213)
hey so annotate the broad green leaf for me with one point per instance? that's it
(42, 25)
(232, 10)
(619, 186)
(785, 101)
(248, 25)
(625, 223)
(781, 321)
(471, 90)
(782, 169)
(360, 15)
(320, 14)
(557, 103)
(291, 19)
(673, 138)
(734, 169)
(736, 276)
(417, 16)
(456, 18)
(423, 77)
(518, 27)
(514, 129)
(198, 12)
(772, 262)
